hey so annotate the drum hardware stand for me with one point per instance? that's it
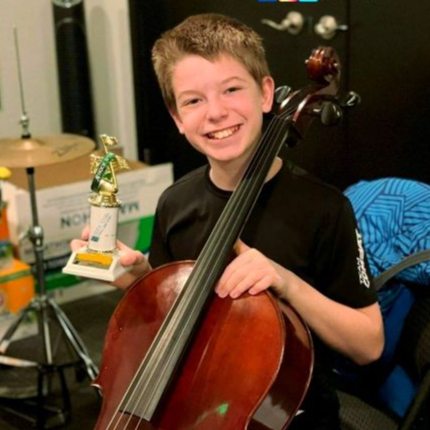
(44, 307)
(42, 302)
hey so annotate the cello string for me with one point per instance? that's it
(241, 202)
(255, 166)
(284, 115)
(225, 214)
(183, 321)
(132, 396)
(260, 160)
(188, 313)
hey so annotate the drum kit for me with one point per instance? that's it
(29, 153)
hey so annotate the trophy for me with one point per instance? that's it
(100, 258)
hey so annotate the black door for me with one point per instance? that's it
(383, 48)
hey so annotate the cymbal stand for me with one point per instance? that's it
(42, 301)
(44, 306)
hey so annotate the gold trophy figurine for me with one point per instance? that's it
(100, 259)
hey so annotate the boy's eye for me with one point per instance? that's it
(189, 102)
(232, 89)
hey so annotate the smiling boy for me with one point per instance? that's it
(300, 239)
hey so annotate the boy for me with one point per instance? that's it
(301, 239)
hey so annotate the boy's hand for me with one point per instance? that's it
(77, 244)
(138, 263)
(129, 257)
(252, 272)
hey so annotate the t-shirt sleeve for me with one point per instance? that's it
(341, 259)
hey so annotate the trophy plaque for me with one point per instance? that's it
(100, 258)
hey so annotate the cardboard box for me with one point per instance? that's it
(62, 192)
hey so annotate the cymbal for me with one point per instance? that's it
(41, 151)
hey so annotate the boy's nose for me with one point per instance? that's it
(216, 109)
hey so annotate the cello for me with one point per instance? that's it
(176, 357)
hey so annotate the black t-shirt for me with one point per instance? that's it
(304, 225)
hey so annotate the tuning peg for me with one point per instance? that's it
(350, 100)
(331, 113)
(281, 93)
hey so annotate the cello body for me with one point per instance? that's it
(248, 365)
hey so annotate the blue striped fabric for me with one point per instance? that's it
(393, 215)
(394, 218)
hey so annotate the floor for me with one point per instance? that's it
(89, 316)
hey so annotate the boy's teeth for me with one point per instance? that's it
(223, 133)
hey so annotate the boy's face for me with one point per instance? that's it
(219, 106)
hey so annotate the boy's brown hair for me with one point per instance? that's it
(207, 35)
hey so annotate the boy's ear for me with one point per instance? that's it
(177, 120)
(268, 91)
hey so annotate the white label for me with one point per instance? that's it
(103, 227)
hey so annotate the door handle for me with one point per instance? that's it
(293, 23)
(327, 27)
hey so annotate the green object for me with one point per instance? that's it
(222, 409)
(101, 171)
(143, 242)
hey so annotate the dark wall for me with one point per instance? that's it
(384, 56)
(389, 135)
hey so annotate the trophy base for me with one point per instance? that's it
(95, 265)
